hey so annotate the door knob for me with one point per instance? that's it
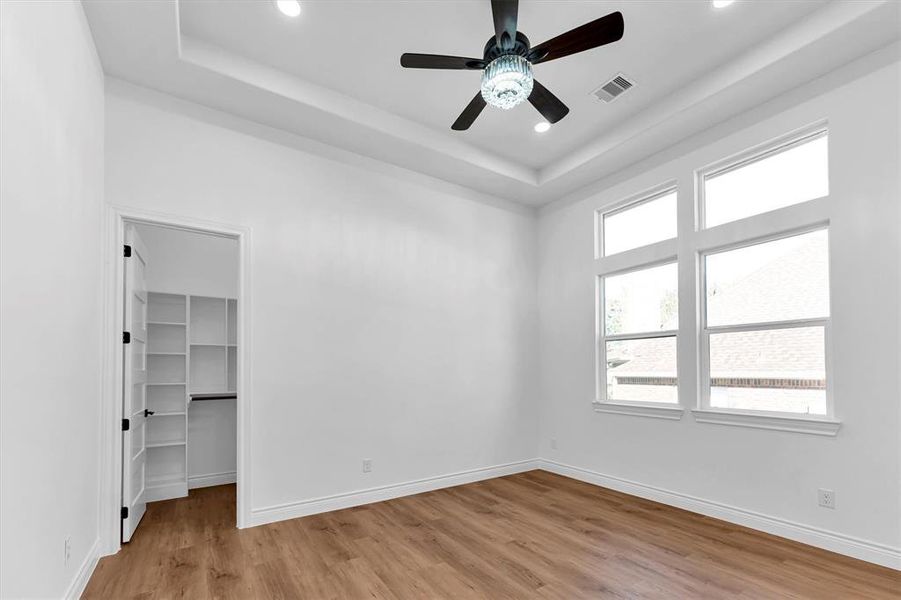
(147, 413)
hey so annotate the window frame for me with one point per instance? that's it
(649, 195)
(705, 330)
(692, 242)
(655, 254)
(753, 155)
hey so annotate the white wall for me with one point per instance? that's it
(51, 185)
(182, 262)
(767, 472)
(392, 320)
(212, 442)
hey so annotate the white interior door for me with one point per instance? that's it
(134, 434)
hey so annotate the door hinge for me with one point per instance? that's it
(127, 251)
(126, 424)
(124, 512)
(126, 337)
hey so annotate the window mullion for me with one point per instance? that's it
(687, 340)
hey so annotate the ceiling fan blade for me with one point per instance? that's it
(438, 61)
(601, 31)
(549, 105)
(505, 16)
(469, 114)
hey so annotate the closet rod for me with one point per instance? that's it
(222, 396)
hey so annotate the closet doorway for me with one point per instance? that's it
(179, 292)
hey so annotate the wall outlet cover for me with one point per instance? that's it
(826, 498)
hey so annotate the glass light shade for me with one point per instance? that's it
(507, 81)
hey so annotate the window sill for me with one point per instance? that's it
(812, 425)
(672, 412)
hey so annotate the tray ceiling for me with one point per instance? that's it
(333, 74)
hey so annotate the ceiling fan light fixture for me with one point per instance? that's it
(507, 81)
(507, 60)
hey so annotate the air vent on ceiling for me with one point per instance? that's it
(614, 88)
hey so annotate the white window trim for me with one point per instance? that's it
(749, 156)
(687, 250)
(769, 420)
(796, 219)
(655, 410)
(827, 424)
(648, 195)
(657, 254)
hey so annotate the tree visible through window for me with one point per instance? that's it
(639, 342)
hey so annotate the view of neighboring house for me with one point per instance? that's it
(766, 369)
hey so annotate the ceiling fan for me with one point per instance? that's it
(507, 60)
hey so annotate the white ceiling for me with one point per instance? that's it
(355, 47)
(333, 74)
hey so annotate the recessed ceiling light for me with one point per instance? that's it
(542, 126)
(722, 3)
(290, 8)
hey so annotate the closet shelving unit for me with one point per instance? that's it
(192, 352)
(213, 346)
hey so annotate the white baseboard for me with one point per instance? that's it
(211, 479)
(165, 492)
(292, 510)
(873, 552)
(83, 576)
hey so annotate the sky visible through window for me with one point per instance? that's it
(779, 280)
(795, 175)
(645, 223)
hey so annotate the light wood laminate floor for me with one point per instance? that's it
(532, 535)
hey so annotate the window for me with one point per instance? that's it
(786, 175)
(754, 296)
(638, 343)
(638, 307)
(641, 301)
(641, 223)
(767, 313)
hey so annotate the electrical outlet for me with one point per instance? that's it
(367, 465)
(826, 498)
(553, 443)
(67, 549)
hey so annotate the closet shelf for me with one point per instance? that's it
(165, 383)
(165, 354)
(166, 480)
(169, 414)
(166, 444)
(167, 323)
(210, 345)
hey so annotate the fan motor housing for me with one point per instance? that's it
(493, 50)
